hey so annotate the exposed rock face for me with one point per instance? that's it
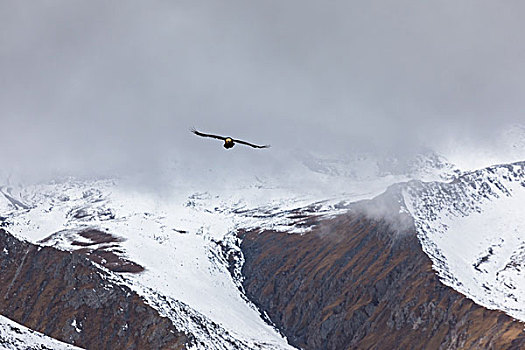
(362, 282)
(65, 296)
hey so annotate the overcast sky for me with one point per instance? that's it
(98, 86)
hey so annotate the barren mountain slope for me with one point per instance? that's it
(362, 282)
(63, 295)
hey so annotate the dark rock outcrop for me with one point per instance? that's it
(98, 246)
(360, 281)
(65, 296)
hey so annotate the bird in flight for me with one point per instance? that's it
(229, 142)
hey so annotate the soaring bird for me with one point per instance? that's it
(229, 142)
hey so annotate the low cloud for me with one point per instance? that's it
(97, 88)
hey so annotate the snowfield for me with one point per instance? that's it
(473, 229)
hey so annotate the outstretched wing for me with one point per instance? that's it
(250, 144)
(198, 133)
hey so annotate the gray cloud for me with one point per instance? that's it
(95, 87)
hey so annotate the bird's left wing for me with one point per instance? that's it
(250, 144)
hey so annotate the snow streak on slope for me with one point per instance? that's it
(473, 229)
(14, 336)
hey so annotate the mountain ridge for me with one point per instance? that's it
(181, 250)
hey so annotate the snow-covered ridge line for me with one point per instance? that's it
(469, 191)
(15, 336)
(473, 230)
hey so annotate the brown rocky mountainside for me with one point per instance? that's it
(359, 281)
(65, 296)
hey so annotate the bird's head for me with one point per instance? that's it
(228, 142)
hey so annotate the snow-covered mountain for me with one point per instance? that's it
(173, 242)
(179, 243)
(473, 229)
(175, 248)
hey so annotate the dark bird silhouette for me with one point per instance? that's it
(229, 142)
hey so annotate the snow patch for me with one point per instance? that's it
(74, 325)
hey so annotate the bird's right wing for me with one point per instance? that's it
(198, 133)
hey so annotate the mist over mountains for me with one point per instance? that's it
(99, 89)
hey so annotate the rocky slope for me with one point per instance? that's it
(362, 281)
(65, 296)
